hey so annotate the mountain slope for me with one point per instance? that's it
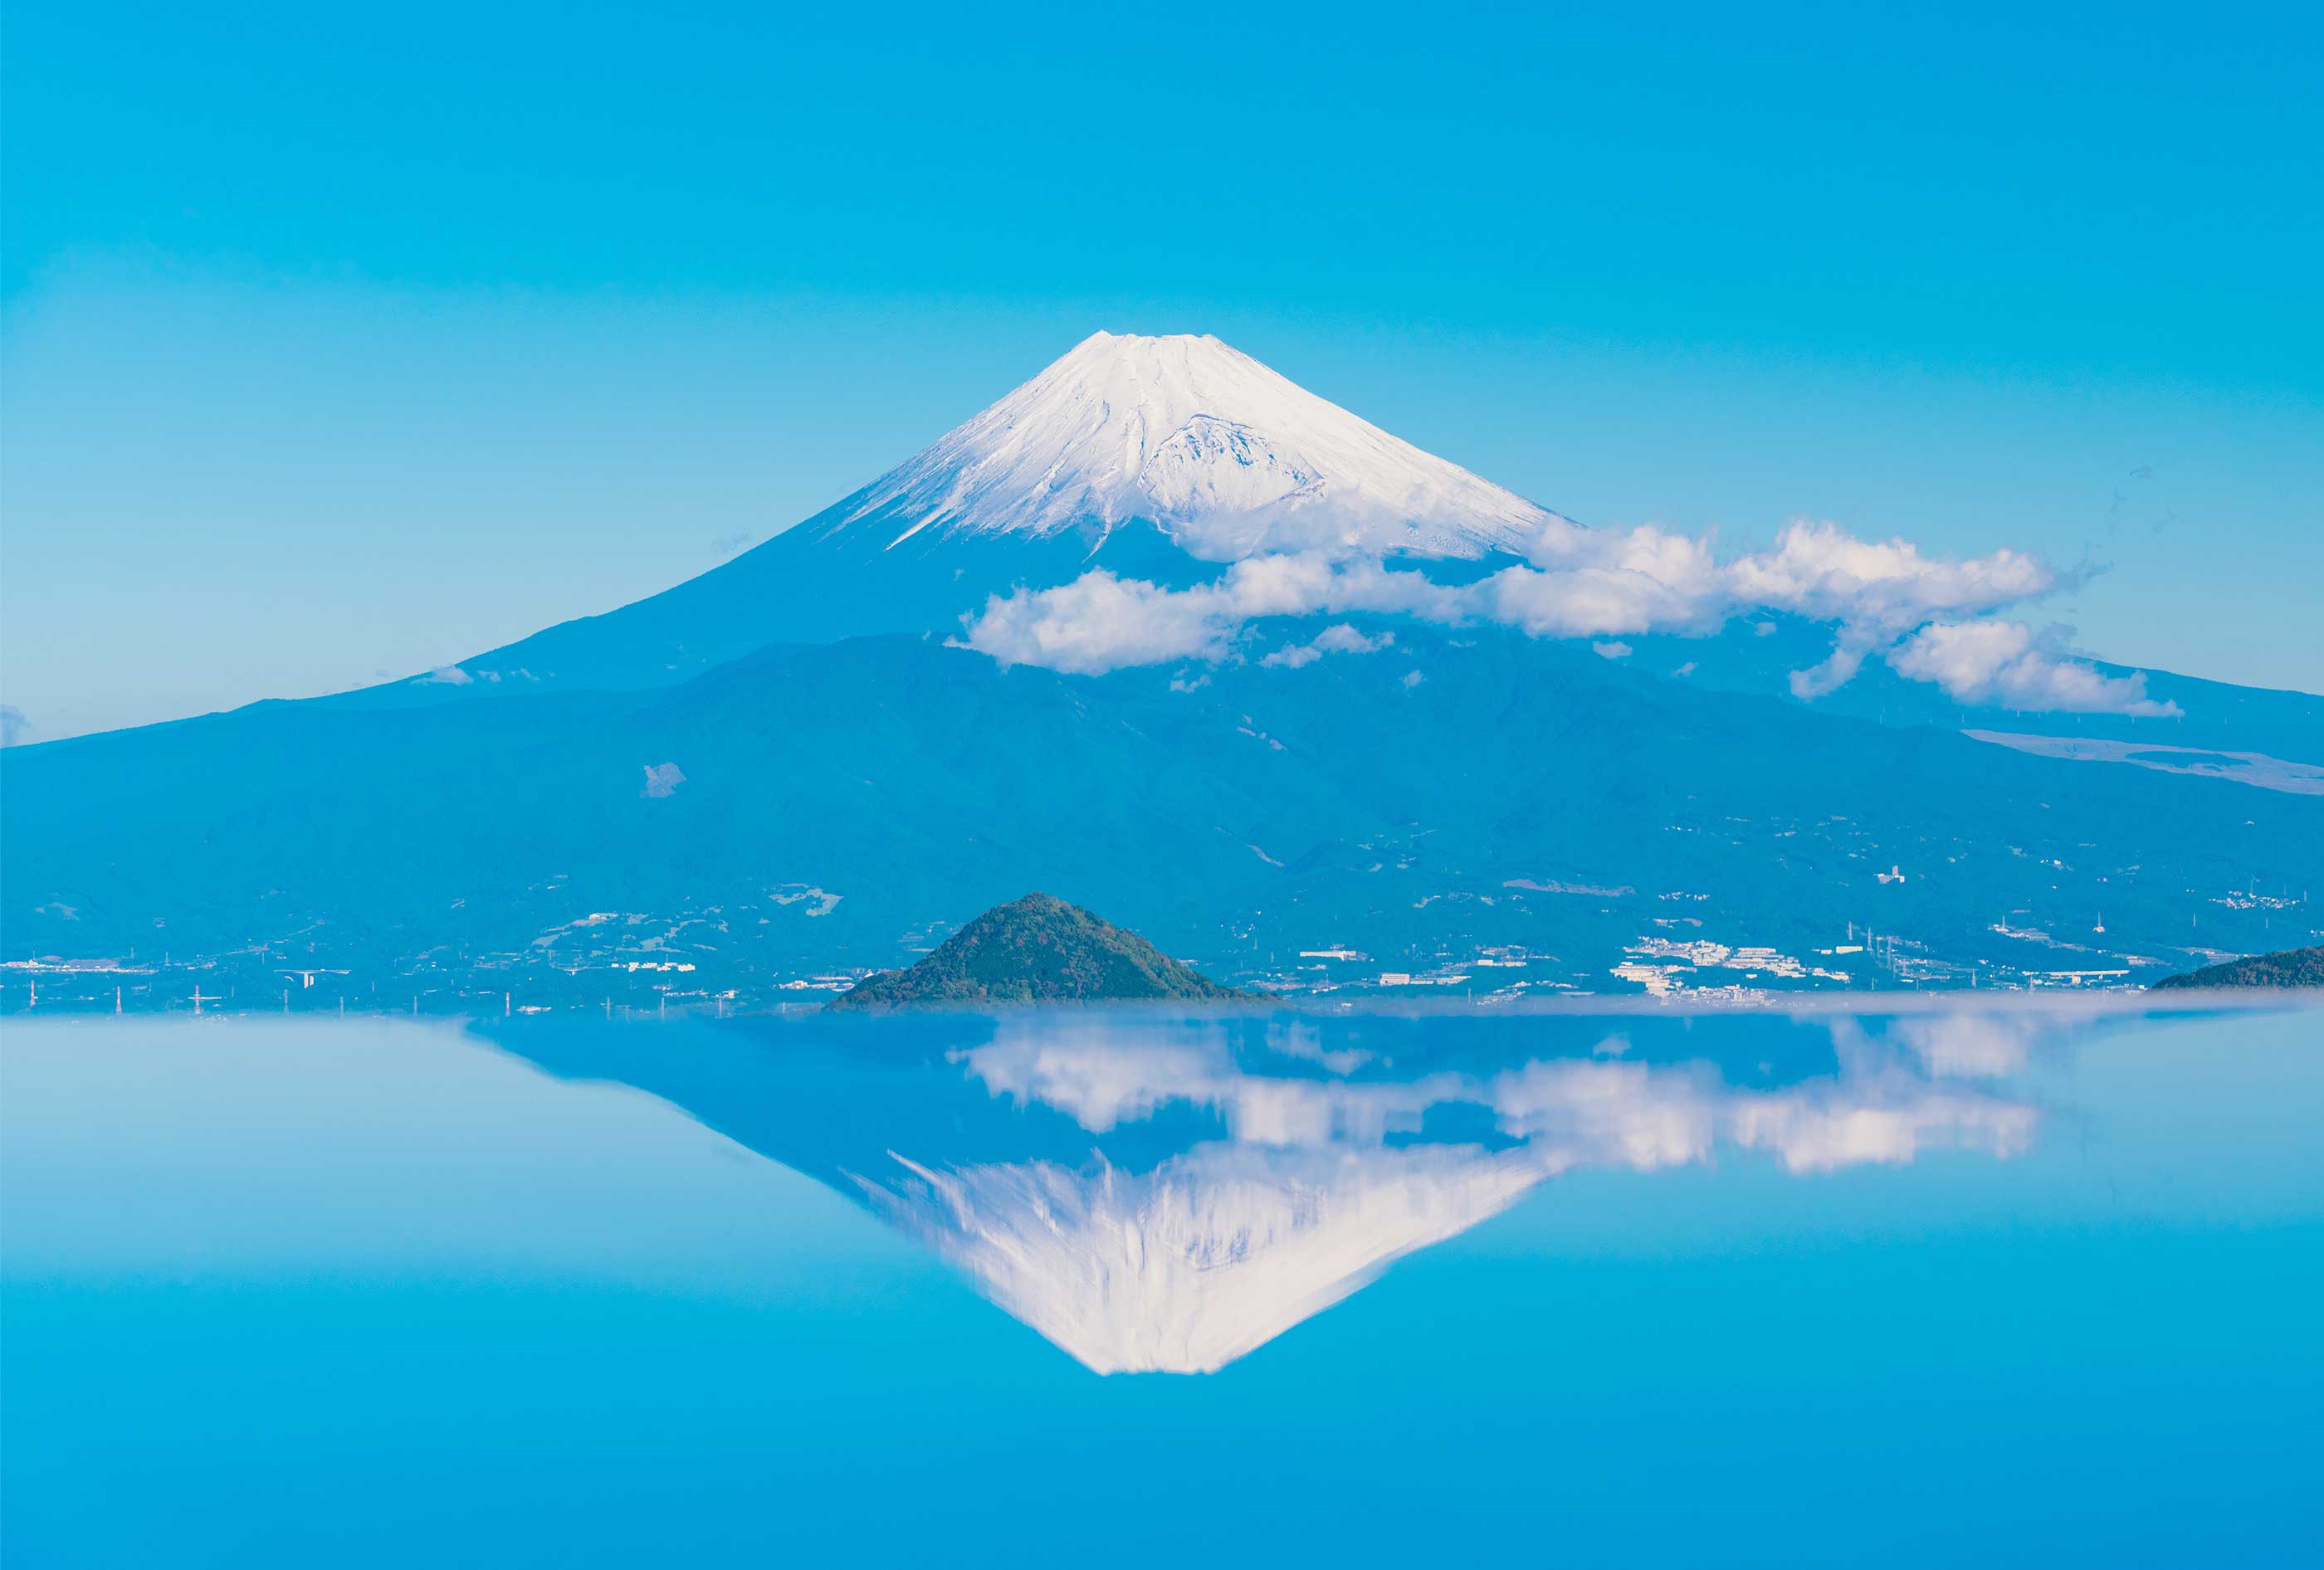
(1155, 457)
(2288, 968)
(834, 805)
(1037, 950)
(1741, 658)
(1231, 457)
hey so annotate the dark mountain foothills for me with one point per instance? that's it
(814, 808)
(1037, 950)
(2288, 968)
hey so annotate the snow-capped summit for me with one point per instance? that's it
(1228, 457)
(1154, 458)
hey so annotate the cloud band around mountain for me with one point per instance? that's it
(2006, 664)
(1922, 613)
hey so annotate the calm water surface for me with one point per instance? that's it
(2010, 1286)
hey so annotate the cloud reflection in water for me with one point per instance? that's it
(1316, 1162)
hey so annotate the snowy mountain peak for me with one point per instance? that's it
(1226, 455)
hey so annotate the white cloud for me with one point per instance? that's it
(1602, 585)
(1302, 585)
(1614, 650)
(444, 675)
(1346, 639)
(1099, 622)
(1837, 669)
(1586, 583)
(1876, 590)
(1338, 639)
(1821, 570)
(2005, 663)
(14, 728)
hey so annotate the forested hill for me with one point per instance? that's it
(1037, 950)
(2289, 967)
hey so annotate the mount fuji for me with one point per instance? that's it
(1157, 458)
(1229, 458)
(1321, 693)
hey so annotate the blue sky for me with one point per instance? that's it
(338, 345)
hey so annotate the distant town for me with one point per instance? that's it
(630, 966)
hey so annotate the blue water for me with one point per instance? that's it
(2007, 1287)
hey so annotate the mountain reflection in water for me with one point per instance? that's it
(1152, 1192)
